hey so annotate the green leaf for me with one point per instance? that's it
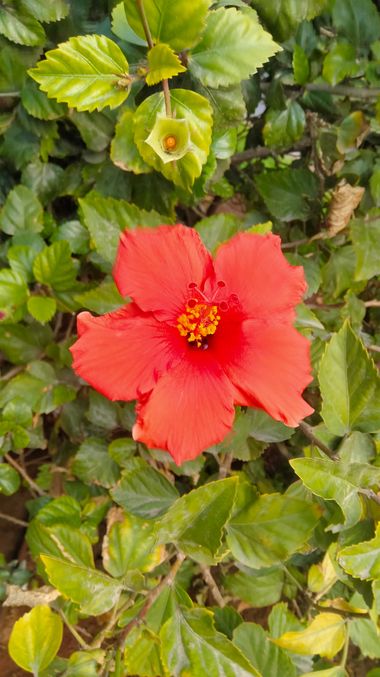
(13, 289)
(129, 545)
(365, 234)
(93, 464)
(364, 634)
(288, 193)
(325, 636)
(233, 47)
(121, 27)
(339, 63)
(257, 587)
(338, 481)
(217, 229)
(196, 521)
(301, 67)
(282, 128)
(359, 22)
(9, 480)
(283, 16)
(350, 385)
(44, 178)
(176, 22)
(267, 658)
(106, 217)
(186, 105)
(35, 639)
(271, 529)
(48, 10)
(19, 26)
(143, 653)
(143, 491)
(362, 560)
(95, 128)
(88, 72)
(36, 103)
(54, 266)
(102, 299)
(190, 643)
(95, 592)
(22, 346)
(22, 211)
(124, 153)
(59, 540)
(42, 308)
(163, 63)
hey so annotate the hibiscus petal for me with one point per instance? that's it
(155, 266)
(270, 367)
(122, 354)
(255, 269)
(190, 408)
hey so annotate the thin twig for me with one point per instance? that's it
(12, 372)
(375, 349)
(211, 582)
(374, 303)
(263, 152)
(308, 432)
(225, 465)
(370, 494)
(32, 485)
(343, 90)
(74, 632)
(14, 520)
(152, 596)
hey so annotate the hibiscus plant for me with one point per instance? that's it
(189, 327)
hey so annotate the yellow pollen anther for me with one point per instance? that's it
(170, 143)
(198, 322)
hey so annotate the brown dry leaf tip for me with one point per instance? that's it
(345, 200)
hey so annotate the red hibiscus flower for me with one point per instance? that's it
(199, 337)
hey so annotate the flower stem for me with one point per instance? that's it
(144, 21)
(168, 105)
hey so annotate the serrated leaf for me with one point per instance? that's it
(54, 266)
(350, 385)
(338, 481)
(365, 233)
(364, 634)
(176, 22)
(129, 545)
(339, 63)
(121, 27)
(59, 540)
(13, 289)
(190, 643)
(143, 491)
(325, 636)
(269, 530)
(87, 72)
(196, 521)
(282, 128)
(283, 16)
(36, 103)
(186, 105)
(48, 10)
(163, 63)
(124, 153)
(19, 26)
(233, 47)
(42, 308)
(362, 560)
(101, 299)
(288, 193)
(44, 178)
(95, 592)
(35, 639)
(106, 217)
(257, 587)
(267, 658)
(93, 464)
(22, 211)
(217, 229)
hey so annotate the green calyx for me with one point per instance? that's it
(169, 138)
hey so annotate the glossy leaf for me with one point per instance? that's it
(22, 211)
(19, 26)
(176, 22)
(54, 266)
(89, 72)
(35, 639)
(124, 153)
(42, 308)
(130, 544)
(271, 529)
(288, 193)
(49, 10)
(338, 481)
(350, 385)
(196, 521)
(163, 63)
(190, 643)
(268, 658)
(362, 560)
(283, 16)
(233, 46)
(95, 592)
(143, 491)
